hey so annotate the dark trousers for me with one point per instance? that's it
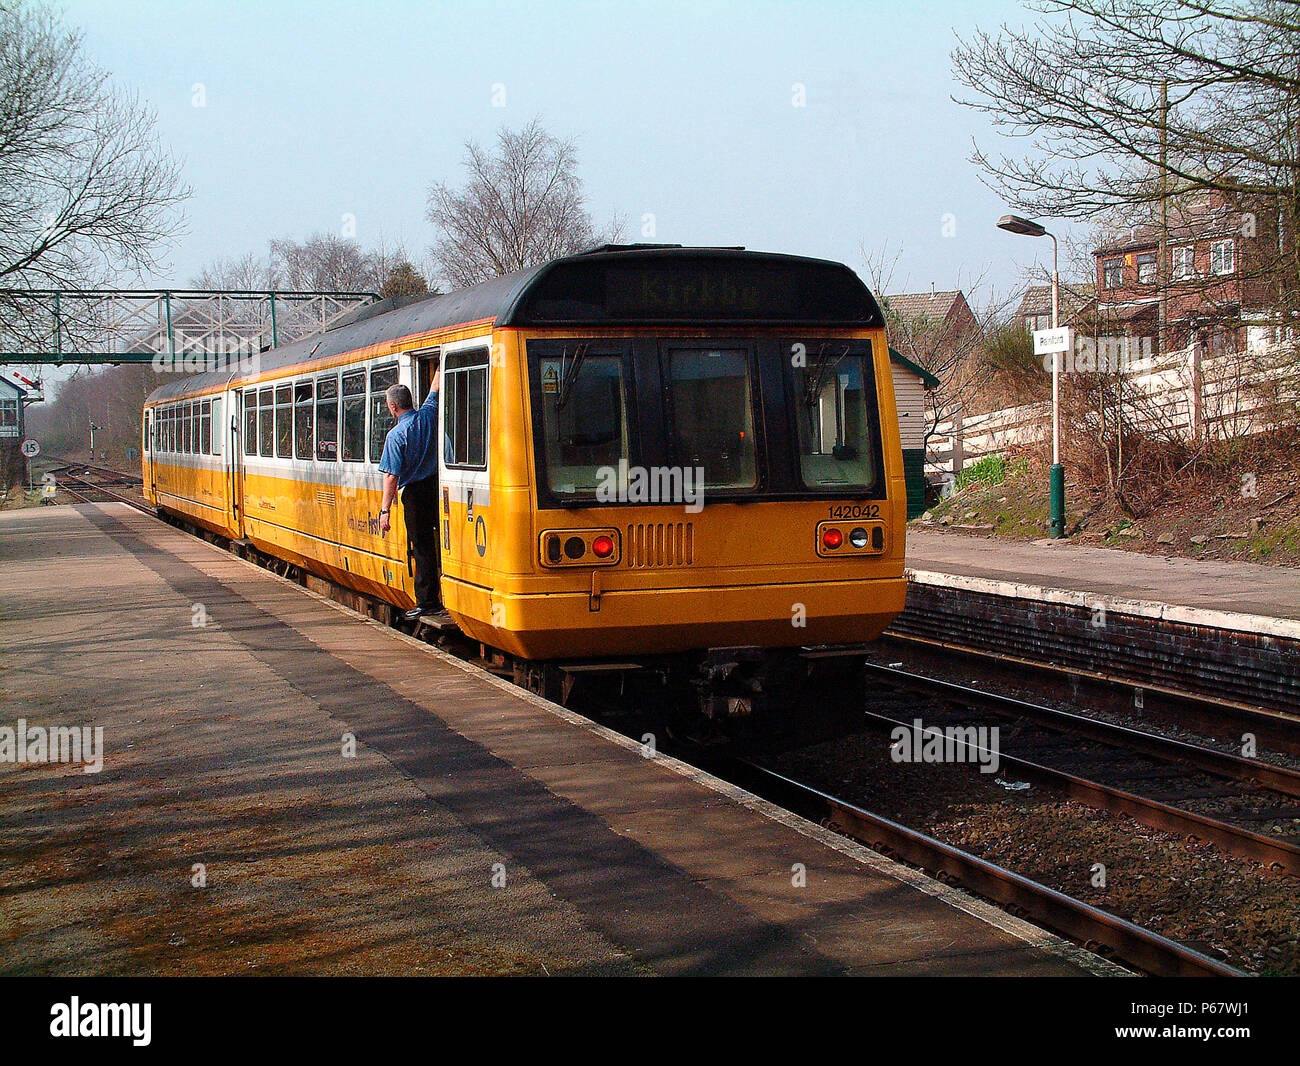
(420, 506)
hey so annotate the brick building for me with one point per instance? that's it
(1217, 275)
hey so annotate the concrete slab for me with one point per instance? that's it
(229, 700)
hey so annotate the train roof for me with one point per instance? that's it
(612, 285)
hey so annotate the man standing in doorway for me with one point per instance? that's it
(410, 465)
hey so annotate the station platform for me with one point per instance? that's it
(1213, 630)
(1245, 597)
(477, 829)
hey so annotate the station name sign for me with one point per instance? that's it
(1050, 341)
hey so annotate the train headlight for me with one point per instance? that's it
(832, 538)
(858, 538)
(602, 547)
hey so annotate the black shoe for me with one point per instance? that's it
(413, 613)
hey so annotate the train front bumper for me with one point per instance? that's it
(662, 621)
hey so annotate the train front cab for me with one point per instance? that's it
(557, 546)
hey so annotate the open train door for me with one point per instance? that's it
(235, 458)
(147, 446)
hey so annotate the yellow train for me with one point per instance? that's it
(649, 451)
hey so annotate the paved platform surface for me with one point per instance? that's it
(477, 829)
(1199, 590)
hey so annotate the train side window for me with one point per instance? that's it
(171, 428)
(218, 430)
(195, 429)
(354, 417)
(187, 428)
(165, 434)
(284, 421)
(250, 421)
(304, 421)
(381, 377)
(465, 396)
(205, 428)
(327, 418)
(266, 421)
(144, 434)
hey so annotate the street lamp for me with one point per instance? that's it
(1056, 507)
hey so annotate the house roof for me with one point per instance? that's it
(937, 305)
(18, 390)
(1200, 217)
(1074, 296)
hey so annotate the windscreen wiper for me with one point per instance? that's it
(810, 394)
(569, 373)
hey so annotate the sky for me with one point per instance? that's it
(292, 117)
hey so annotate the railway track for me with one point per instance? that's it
(1220, 718)
(101, 489)
(1157, 780)
(1094, 928)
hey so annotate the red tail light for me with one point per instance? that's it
(602, 547)
(832, 538)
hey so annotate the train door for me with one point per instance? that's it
(464, 495)
(238, 423)
(148, 450)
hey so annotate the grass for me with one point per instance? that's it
(991, 470)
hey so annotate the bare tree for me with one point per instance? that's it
(1127, 106)
(324, 262)
(520, 205)
(245, 273)
(85, 188)
(954, 351)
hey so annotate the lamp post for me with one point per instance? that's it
(1056, 507)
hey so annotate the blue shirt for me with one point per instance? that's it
(409, 450)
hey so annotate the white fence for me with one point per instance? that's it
(1186, 394)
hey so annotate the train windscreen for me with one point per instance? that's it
(833, 397)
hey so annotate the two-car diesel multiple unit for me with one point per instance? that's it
(646, 451)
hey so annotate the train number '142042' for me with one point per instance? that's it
(855, 510)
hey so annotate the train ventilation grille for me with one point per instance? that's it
(325, 497)
(660, 544)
